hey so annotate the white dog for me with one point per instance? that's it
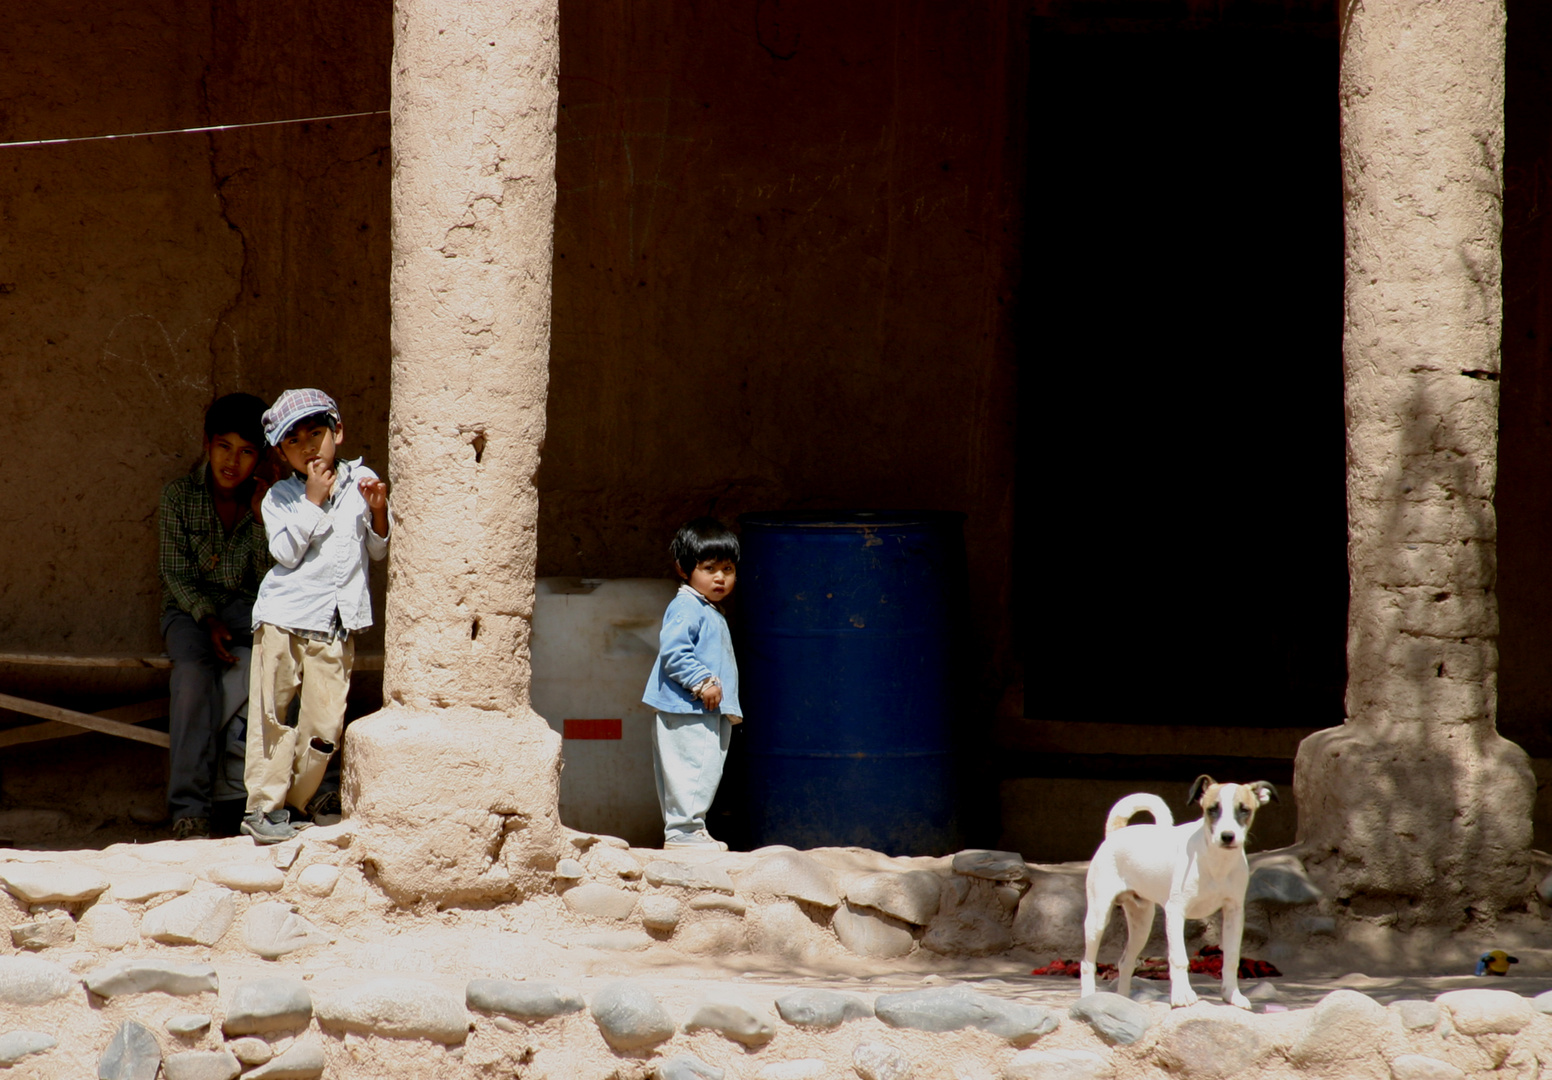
(1191, 870)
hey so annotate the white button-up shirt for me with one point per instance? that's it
(320, 554)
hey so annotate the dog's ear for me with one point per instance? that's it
(1203, 782)
(1264, 791)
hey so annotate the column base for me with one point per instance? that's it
(1431, 828)
(454, 805)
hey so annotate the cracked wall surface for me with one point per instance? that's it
(815, 229)
(93, 339)
(141, 277)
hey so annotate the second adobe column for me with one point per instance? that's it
(1416, 811)
(455, 781)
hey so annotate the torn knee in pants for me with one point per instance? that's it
(315, 758)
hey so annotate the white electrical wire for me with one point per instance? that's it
(193, 130)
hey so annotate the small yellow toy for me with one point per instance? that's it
(1495, 963)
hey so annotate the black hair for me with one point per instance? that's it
(702, 539)
(239, 413)
(323, 417)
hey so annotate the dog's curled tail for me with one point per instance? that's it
(1121, 813)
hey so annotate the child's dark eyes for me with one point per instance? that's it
(304, 436)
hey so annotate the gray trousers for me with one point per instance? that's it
(197, 708)
(688, 753)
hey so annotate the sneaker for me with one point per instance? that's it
(324, 808)
(698, 840)
(191, 828)
(270, 828)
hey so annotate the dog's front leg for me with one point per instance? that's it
(1233, 930)
(1180, 992)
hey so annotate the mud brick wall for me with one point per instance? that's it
(141, 277)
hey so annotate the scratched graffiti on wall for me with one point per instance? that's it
(201, 359)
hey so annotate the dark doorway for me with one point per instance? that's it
(1181, 447)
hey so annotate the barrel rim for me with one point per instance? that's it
(849, 519)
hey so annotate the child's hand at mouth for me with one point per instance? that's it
(320, 481)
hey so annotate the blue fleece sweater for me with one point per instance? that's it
(693, 646)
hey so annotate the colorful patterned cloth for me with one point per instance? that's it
(1207, 961)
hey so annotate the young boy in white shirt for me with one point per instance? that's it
(324, 522)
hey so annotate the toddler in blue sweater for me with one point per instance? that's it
(694, 684)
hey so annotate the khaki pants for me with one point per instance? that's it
(286, 764)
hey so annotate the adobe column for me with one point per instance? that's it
(1416, 811)
(455, 783)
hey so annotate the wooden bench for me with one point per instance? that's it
(120, 721)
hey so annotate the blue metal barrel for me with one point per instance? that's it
(844, 672)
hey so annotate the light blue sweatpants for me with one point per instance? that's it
(688, 752)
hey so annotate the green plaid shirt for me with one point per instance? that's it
(203, 568)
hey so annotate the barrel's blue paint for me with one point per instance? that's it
(844, 677)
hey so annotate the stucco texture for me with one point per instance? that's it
(141, 277)
(456, 780)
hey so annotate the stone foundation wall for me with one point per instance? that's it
(211, 959)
